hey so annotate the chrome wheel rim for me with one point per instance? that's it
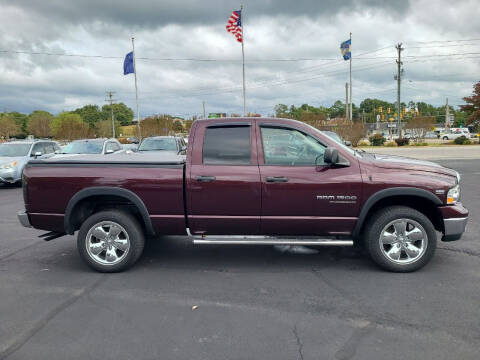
(107, 243)
(403, 241)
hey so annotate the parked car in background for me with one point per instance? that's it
(333, 135)
(133, 140)
(14, 155)
(130, 147)
(169, 144)
(453, 135)
(431, 135)
(91, 146)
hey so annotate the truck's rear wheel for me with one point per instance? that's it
(110, 241)
(400, 239)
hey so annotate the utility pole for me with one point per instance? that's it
(110, 100)
(204, 109)
(346, 102)
(447, 115)
(398, 78)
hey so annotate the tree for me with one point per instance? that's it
(156, 125)
(472, 108)
(121, 112)
(21, 121)
(281, 111)
(315, 120)
(69, 126)
(177, 126)
(39, 124)
(337, 109)
(8, 126)
(188, 125)
(104, 128)
(419, 126)
(91, 114)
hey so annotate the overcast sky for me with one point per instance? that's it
(308, 32)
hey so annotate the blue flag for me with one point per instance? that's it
(128, 67)
(346, 49)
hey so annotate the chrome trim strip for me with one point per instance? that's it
(271, 241)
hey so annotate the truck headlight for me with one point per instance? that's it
(453, 194)
(9, 165)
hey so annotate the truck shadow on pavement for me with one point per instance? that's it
(170, 252)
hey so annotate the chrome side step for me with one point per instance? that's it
(268, 240)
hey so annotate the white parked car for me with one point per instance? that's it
(453, 135)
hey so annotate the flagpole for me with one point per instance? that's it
(136, 89)
(351, 104)
(243, 63)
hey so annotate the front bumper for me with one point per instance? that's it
(23, 218)
(455, 220)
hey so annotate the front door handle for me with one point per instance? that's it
(277, 179)
(202, 178)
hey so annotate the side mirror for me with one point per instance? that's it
(109, 151)
(330, 156)
(37, 154)
(182, 149)
(57, 151)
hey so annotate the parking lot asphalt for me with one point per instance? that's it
(218, 302)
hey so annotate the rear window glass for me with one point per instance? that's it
(227, 146)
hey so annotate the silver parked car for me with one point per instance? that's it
(91, 146)
(15, 155)
(169, 144)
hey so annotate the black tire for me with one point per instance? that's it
(384, 217)
(129, 223)
(445, 138)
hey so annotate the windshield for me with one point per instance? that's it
(11, 150)
(168, 144)
(343, 146)
(83, 147)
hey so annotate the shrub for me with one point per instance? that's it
(462, 140)
(363, 143)
(391, 144)
(402, 141)
(377, 140)
(421, 144)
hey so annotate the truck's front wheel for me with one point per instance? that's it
(110, 241)
(400, 239)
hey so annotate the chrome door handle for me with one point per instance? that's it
(202, 178)
(277, 179)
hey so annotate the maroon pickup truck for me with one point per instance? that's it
(247, 181)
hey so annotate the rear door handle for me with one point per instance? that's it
(277, 179)
(205, 178)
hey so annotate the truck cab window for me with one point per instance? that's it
(229, 145)
(289, 147)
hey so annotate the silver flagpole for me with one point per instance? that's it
(351, 104)
(136, 89)
(243, 62)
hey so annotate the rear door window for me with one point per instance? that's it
(227, 145)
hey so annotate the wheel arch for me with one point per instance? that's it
(74, 214)
(420, 199)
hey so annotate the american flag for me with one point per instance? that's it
(234, 24)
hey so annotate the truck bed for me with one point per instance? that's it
(157, 180)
